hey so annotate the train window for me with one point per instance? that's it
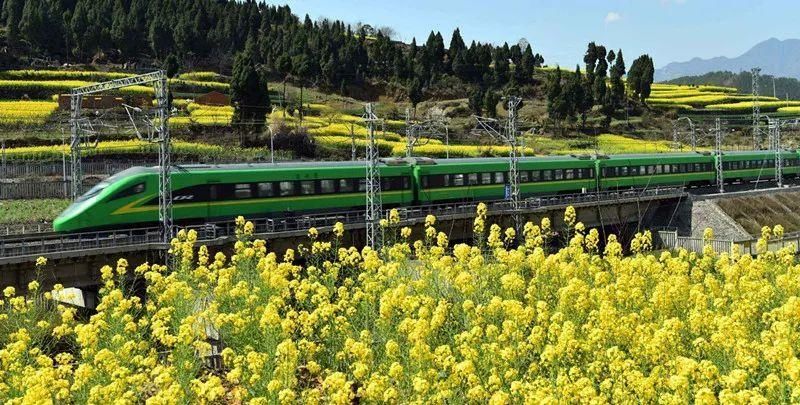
(569, 174)
(499, 177)
(242, 191)
(458, 180)
(396, 183)
(327, 186)
(345, 185)
(362, 185)
(129, 191)
(393, 183)
(433, 181)
(286, 188)
(266, 190)
(698, 167)
(307, 187)
(558, 174)
(523, 176)
(547, 175)
(472, 179)
(486, 178)
(536, 175)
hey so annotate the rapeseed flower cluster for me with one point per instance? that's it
(503, 321)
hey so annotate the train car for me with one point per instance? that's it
(486, 179)
(640, 171)
(204, 192)
(757, 165)
(557, 175)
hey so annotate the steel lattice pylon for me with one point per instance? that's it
(374, 203)
(754, 73)
(75, 146)
(160, 136)
(718, 155)
(164, 158)
(508, 135)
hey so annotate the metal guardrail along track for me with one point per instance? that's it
(15, 249)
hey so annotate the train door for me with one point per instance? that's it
(213, 191)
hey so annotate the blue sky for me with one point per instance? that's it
(669, 30)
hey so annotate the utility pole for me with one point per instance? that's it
(718, 155)
(754, 73)
(676, 133)
(775, 145)
(774, 93)
(508, 134)
(374, 204)
(409, 134)
(352, 143)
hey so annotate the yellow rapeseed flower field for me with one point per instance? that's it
(26, 112)
(419, 321)
(195, 149)
(746, 106)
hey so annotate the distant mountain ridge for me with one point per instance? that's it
(776, 57)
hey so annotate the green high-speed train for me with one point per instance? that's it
(217, 192)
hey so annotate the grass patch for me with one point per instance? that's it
(30, 211)
(774, 209)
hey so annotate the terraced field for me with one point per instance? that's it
(28, 101)
(712, 99)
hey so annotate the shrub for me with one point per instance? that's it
(203, 77)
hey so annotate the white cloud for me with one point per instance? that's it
(612, 17)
